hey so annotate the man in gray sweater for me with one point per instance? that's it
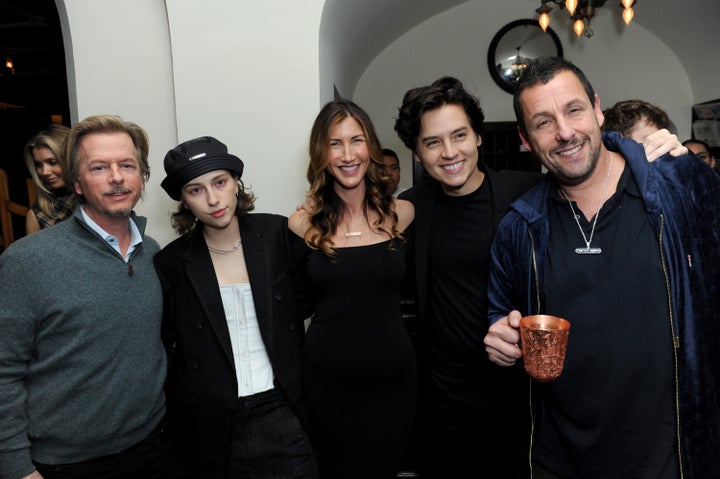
(82, 365)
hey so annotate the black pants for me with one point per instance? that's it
(470, 415)
(268, 440)
(149, 459)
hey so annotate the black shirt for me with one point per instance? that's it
(612, 411)
(458, 270)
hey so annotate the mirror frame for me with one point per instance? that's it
(539, 43)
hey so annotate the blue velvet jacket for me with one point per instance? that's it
(682, 199)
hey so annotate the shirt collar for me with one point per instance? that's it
(135, 236)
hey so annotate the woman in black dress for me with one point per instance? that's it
(360, 373)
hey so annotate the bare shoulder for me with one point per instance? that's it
(405, 211)
(299, 222)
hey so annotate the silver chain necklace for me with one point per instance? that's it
(234, 248)
(587, 249)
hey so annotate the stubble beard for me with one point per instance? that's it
(569, 178)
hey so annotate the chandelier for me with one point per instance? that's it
(581, 12)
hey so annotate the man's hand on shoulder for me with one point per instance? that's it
(661, 142)
(299, 221)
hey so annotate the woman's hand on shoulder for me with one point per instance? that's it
(405, 211)
(299, 222)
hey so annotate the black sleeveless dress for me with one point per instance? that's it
(360, 369)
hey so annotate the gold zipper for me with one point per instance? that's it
(537, 292)
(676, 345)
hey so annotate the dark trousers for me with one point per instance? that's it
(538, 472)
(151, 458)
(470, 418)
(268, 440)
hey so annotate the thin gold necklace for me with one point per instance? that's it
(587, 249)
(353, 234)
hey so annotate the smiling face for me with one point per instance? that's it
(563, 127)
(48, 167)
(447, 147)
(109, 177)
(348, 155)
(212, 198)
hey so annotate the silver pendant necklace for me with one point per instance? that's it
(587, 249)
(234, 248)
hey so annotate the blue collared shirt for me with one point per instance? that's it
(135, 236)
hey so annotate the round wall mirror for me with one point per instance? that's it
(514, 45)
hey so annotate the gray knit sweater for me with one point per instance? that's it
(81, 361)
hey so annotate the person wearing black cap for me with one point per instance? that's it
(232, 325)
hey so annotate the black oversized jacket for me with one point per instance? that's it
(202, 384)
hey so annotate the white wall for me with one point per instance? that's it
(248, 74)
(252, 74)
(621, 62)
(118, 62)
(245, 72)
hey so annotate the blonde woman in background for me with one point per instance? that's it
(45, 159)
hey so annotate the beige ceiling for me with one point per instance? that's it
(360, 29)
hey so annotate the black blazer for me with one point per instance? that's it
(202, 384)
(505, 187)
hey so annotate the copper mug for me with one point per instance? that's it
(544, 342)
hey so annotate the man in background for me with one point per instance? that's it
(702, 150)
(391, 169)
(635, 119)
(82, 365)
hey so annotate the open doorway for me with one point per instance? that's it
(33, 85)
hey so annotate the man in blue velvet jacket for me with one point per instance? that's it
(629, 252)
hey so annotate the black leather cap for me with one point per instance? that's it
(196, 157)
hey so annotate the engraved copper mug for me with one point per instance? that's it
(544, 342)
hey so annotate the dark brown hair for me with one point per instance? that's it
(418, 101)
(624, 114)
(185, 222)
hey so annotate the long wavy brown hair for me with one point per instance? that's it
(327, 208)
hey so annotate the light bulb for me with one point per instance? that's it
(628, 15)
(571, 5)
(578, 27)
(544, 21)
(628, 3)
